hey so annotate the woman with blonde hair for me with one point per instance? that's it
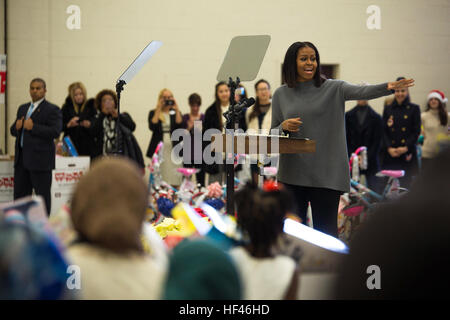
(162, 121)
(78, 112)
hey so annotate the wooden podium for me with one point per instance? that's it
(261, 144)
(256, 144)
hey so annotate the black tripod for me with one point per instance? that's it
(232, 116)
(119, 139)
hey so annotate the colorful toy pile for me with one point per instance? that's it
(168, 206)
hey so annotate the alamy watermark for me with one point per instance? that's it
(74, 280)
(201, 147)
(374, 280)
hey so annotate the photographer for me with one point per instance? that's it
(103, 128)
(162, 121)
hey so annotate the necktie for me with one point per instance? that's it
(30, 111)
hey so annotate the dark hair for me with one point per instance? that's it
(257, 108)
(39, 80)
(289, 70)
(101, 94)
(245, 92)
(195, 99)
(216, 95)
(260, 216)
(217, 101)
(443, 116)
(412, 251)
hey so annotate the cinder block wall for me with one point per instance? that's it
(413, 41)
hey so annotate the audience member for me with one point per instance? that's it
(214, 119)
(31, 266)
(260, 216)
(195, 101)
(434, 123)
(240, 93)
(109, 140)
(259, 117)
(364, 127)
(78, 113)
(401, 129)
(108, 209)
(200, 270)
(406, 244)
(162, 121)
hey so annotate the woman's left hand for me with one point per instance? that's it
(401, 84)
(175, 105)
(114, 113)
(85, 123)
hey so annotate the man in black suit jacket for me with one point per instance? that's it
(37, 125)
(364, 128)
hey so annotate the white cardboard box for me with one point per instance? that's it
(67, 173)
(72, 162)
(6, 178)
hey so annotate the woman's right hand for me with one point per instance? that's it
(393, 152)
(160, 104)
(291, 125)
(73, 122)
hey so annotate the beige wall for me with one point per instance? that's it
(2, 51)
(414, 41)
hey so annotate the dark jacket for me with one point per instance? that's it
(194, 157)
(157, 130)
(130, 145)
(367, 134)
(38, 144)
(402, 130)
(213, 120)
(97, 131)
(79, 135)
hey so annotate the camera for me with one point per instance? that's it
(169, 102)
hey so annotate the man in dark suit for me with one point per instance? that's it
(364, 128)
(37, 125)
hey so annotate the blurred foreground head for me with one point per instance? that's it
(199, 270)
(409, 240)
(31, 265)
(109, 204)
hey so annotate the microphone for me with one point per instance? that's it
(244, 104)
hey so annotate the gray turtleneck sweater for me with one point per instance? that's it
(322, 111)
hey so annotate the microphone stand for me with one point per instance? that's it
(119, 138)
(231, 125)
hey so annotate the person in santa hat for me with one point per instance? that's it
(434, 124)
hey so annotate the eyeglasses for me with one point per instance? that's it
(262, 89)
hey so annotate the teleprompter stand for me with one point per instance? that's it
(126, 77)
(242, 62)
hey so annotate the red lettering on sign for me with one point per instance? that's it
(68, 176)
(7, 182)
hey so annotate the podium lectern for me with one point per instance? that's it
(261, 144)
(257, 144)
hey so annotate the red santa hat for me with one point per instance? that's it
(438, 95)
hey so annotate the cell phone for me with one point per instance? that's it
(169, 102)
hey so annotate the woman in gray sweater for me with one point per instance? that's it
(309, 106)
